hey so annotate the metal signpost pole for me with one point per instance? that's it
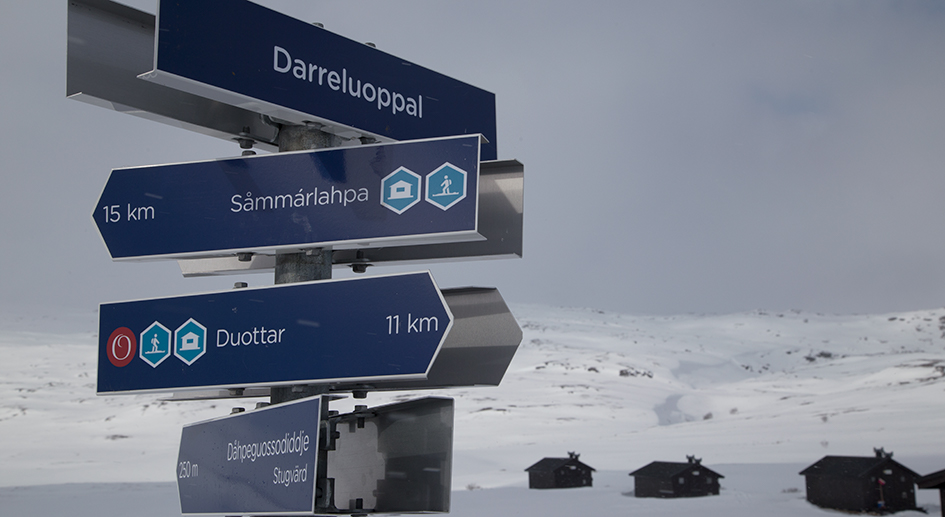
(311, 264)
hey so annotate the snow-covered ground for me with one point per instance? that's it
(758, 396)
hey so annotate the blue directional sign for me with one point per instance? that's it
(352, 197)
(261, 462)
(334, 331)
(254, 58)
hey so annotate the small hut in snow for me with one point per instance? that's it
(559, 473)
(674, 479)
(864, 484)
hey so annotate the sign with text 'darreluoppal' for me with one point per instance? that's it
(415, 192)
(252, 57)
(375, 328)
(261, 462)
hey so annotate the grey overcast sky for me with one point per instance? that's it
(680, 156)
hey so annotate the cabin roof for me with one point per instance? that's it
(667, 469)
(552, 464)
(850, 466)
(933, 480)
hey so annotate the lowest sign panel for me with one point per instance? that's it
(263, 462)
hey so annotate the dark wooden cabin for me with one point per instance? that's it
(559, 473)
(865, 484)
(934, 480)
(673, 479)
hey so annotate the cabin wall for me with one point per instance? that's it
(696, 482)
(652, 487)
(897, 494)
(571, 476)
(864, 494)
(838, 493)
(541, 480)
(693, 483)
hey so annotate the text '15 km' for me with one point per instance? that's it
(135, 213)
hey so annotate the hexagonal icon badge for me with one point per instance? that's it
(446, 186)
(190, 341)
(400, 190)
(155, 344)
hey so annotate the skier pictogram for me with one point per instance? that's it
(446, 186)
(155, 344)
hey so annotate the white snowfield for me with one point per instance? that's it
(758, 396)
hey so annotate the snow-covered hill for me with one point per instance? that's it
(744, 388)
(757, 388)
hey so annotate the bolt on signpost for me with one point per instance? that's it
(377, 161)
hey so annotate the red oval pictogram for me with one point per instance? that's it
(121, 346)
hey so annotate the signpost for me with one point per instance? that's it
(254, 58)
(263, 462)
(355, 330)
(241, 71)
(412, 192)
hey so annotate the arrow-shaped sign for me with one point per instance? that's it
(352, 330)
(414, 192)
(261, 462)
(477, 351)
(254, 58)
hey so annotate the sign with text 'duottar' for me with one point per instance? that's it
(257, 59)
(416, 192)
(325, 332)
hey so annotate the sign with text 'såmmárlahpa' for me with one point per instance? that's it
(415, 192)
